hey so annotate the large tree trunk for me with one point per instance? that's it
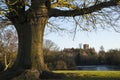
(30, 50)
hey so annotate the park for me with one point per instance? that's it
(30, 18)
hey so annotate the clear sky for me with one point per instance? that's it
(109, 39)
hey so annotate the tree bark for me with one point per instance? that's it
(30, 50)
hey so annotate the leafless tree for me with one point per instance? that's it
(8, 46)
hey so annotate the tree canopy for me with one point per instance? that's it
(91, 13)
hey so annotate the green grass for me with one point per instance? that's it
(90, 75)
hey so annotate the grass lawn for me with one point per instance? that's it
(90, 75)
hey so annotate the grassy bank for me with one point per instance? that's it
(90, 75)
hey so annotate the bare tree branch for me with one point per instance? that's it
(82, 11)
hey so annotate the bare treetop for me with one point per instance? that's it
(87, 14)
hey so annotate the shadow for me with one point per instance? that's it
(10, 73)
(46, 75)
(92, 77)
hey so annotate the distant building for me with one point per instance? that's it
(86, 46)
(84, 51)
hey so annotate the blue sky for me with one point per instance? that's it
(109, 39)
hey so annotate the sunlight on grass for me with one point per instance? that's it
(90, 75)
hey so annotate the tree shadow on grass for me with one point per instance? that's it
(85, 77)
(60, 76)
(52, 76)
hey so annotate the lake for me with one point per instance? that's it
(98, 67)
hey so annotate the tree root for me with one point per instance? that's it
(30, 74)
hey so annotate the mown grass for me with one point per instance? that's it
(90, 75)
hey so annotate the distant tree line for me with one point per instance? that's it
(111, 57)
(54, 58)
(75, 57)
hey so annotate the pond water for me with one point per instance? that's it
(98, 67)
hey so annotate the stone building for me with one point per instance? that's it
(86, 46)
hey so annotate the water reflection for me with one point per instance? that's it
(98, 67)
